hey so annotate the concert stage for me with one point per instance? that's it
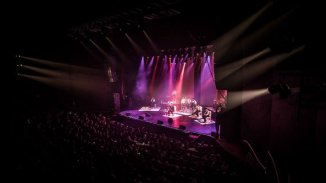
(179, 118)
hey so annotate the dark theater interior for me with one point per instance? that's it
(166, 91)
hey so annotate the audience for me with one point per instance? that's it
(97, 148)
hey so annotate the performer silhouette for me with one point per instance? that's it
(153, 102)
(170, 110)
(207, 115)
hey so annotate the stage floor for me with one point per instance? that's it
(179, 118)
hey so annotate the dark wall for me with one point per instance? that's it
(321, 131)
(284, 127)
(256, 113)
(292, 128)
(229, 124)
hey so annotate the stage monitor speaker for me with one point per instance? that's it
(170, 121)
(128, 114)
(214, 134)
(141, 117)
(182, 127)
(159, 122)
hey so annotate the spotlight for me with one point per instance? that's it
(282, 88)
(274, 89)
(189, 51)
(285, 90)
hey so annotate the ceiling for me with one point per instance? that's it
(44, 28)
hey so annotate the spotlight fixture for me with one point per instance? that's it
(285, 90)
(282, 88)
(274, 88)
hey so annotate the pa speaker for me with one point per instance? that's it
(170, 120)
(159, 122)
(141, 117)
(182, 127)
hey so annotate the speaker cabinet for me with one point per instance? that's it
(182, 127)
